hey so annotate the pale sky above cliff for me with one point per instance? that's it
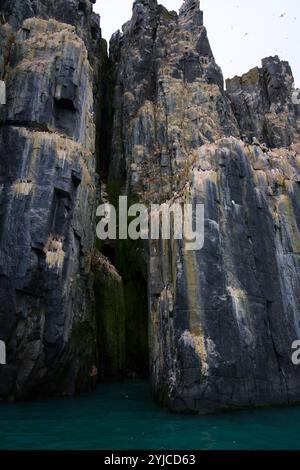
(241, 32)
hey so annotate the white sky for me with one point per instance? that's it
(241, 32)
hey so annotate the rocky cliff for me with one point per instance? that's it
(262, 103)
(157, 122)
(222, 320)
(50, 63)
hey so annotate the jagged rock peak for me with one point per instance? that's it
(221, 325)
(161, 58)
(146, 3)
(191, 10)
(148, 14)
(262, 102)
(148, 10)
(189, 5)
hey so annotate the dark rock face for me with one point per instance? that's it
(262, 102)
(223, 329)
(61, 80)
(78, 13)
(48, 197)
(169, 96)
(111, 321)
(223, 319)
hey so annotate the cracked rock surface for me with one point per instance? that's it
(223, 319)
(47, 200)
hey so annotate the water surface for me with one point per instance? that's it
(124, 416)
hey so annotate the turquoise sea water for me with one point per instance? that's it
(123, 416)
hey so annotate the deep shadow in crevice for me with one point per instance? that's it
(65, 115)
(122, 312)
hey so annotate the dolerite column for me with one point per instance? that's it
(47, 201)
(222, 320)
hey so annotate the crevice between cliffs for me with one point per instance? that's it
(119, 266)
(121, 312)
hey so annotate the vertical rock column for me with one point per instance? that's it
(47, 208)
(263, 105)
(222, 319)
